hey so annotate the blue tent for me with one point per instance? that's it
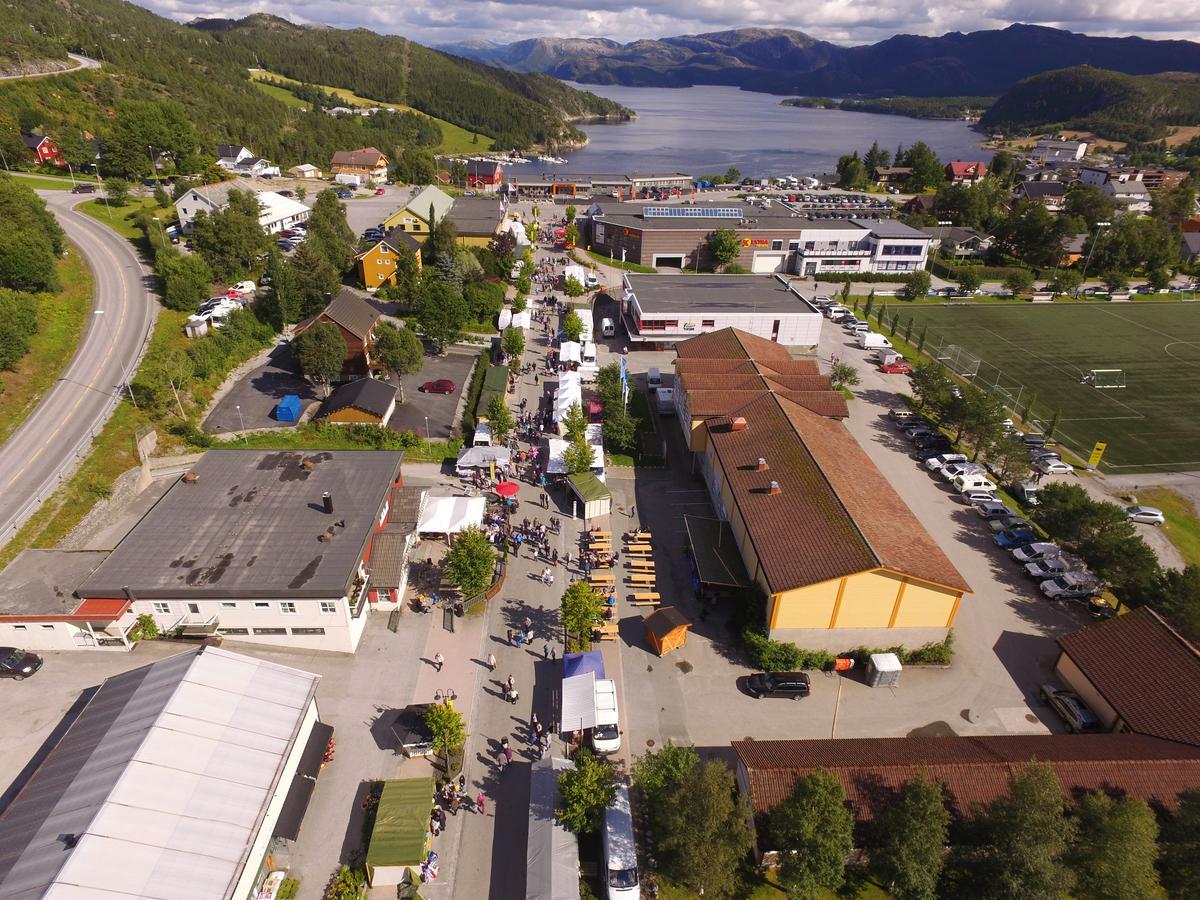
(582, 663)
(288, 409)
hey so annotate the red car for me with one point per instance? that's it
(897, 367)
(441, 386)
(379, 192)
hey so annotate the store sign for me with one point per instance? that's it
(755, 242)
(629, 233)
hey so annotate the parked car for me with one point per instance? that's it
(896, 367)
(1071, 586)
(345, 195)
(944, 459)
(1068, 705)
(950, 471)
(792, 685)
(83, 189)
(18, 664)
(974, 496)
(1015, 537)
(1035, 552)
(1034, 439)
(285, 245)
(1037, 453)
(1053, 467)
(992, 509)
(1147, 515)
(379, 192)
(441, 386)
(902, 419)
(938, 443)
(1045, 569)
(1010, 522)
(930, 451)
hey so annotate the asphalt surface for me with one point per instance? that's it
(77, 406)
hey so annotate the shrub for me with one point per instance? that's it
(146, 628)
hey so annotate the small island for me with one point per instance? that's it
(965, 108)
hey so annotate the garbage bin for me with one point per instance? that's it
(883, 670)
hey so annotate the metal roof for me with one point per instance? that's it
(250, 526)
(159, 788)
(889, 228)
(726, 294)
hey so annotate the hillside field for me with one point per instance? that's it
(1151, 424)
(454, 138)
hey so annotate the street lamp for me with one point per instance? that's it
(1091, 250)
(427, 438)
(242, 424)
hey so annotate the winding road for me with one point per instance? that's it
(42, 452)
(81, 62)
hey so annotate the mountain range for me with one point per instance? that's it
(783, 61)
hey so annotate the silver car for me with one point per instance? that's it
(1036, 552)
(1045, 569)
(1147, 515)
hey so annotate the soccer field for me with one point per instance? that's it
(1151, 424)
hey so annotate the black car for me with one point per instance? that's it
(794, 685)
(18, 664)
(83, 189)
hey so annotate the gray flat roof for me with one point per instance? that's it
(715, 293)
(249, 526)
(889, 228)
(43, 582)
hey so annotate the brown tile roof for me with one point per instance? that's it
(366, 156)
(701, 366)
(1145, 670)
(974, 770)
(731, 343)
(835, 514)
(715, 402)
(352, 312)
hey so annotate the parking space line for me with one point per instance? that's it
(837, 706)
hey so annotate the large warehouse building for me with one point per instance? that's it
(663, 309)
(817, 525)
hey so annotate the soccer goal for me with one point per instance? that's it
(1105, 378)
(961, 362)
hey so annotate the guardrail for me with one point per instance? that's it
(66, 468)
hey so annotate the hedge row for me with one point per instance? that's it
(954, 271)
(843, 277)
(781, 656)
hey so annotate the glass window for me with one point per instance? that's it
(162, 608)
(270, 631)
(20, 628)
(777, 245)
(328, 607)
(261, 604)
(47, 628)
(233, 631)
(308, 631)
(226, 604)
(287, 607)
(708, 323)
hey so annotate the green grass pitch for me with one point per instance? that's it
(1151, 424)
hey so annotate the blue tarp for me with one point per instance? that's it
(582, 663)
(288, 409)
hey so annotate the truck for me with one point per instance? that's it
(606, 736)
(348, 180)
(888, 355)
(870, 340)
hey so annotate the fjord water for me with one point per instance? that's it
(707, 129)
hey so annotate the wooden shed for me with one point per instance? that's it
(666, 629)
(365, 401)
(594, 494)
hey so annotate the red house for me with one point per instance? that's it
(485, 177)
(44, 150)
(958, 172)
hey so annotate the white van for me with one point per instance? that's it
(591, 281)
(664, 398)
(606, 736)
(620, 850)
(608, 328)
(654, 379)
(587, 356)
(973, 482)
(869, 340)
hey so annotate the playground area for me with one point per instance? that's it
(1123, 373)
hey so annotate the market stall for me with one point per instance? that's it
(450, 515)
(580, 671)
(400, 837)
(552, 854)
(593, 494)
(666, 630)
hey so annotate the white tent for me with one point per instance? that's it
(482, 455)
(578, 703)
(557, 449)
(518, 231)
(569, 351)
(505, 318)
(522, 319)
(576, 272)
(450, 515)
(552, 854)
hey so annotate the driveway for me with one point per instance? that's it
(258, 393)
(366, 210)
(438, 412)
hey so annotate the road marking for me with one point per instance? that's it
(837, 706)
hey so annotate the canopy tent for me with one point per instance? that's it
(481, 457)
(578, 703)
(517, 230)
(557, 447)
(592, 492)
(522, 319)
(505, 318)
(570, 351)
(552, 854)
(576, 272)
(450, 515)
(715, 552)
(582, 663)
(666, 629)
(399, 839)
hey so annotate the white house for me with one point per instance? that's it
(846, 246)
(1050, 151)
(280, 212)
(1131, 196)
(242, 161)
(277, 212)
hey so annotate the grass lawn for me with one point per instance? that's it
(40, 183)
(454, 138)
(618, 264)
(120, 218)
(1148, 425)
(1183, 521)
(61, 318)
(283, 95)
(308, 438)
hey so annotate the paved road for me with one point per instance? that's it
(81, 62)
(51, 439)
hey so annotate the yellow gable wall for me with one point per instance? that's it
(926, 605)
(868, 600)
(806, 607)
(874, 599)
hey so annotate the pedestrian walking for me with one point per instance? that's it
(491, 660)
(528, 623)
(545, 500)
(509, 639)
(632, 511)
(439, 661)
(512, 696)
(481, 805)
(553, 654)
(509, 683)
(545, 651)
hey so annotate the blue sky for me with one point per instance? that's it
(841, 21)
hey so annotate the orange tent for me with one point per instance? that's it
(666, 629)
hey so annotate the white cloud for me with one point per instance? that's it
(841, 21)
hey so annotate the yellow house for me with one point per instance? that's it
(817, 525)
(477, 220)
(377, 265)
(413, 217)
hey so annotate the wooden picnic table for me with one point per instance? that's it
(635, 536)
(602, 578)
(644, 596)
(599, 534)
(642, 564)
(638, 548)
(642, 577)
(600, 547)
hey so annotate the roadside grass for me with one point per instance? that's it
(1183, 521)
(120, 218)
(620, 264)
(764, 885)
(61, 319)
(41, 183)
(455, 139)
(309, 437)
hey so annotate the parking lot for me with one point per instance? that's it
(438, 412)
(257, 394)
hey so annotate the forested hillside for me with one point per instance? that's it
(179, 90)
(1113, 105)
(515, 109)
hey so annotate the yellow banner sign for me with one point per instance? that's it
(1097, 452)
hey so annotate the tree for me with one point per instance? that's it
(500, 419)
(1089, 203)
(931, 385)
(876, 157)
(724, 246)
(315, 282)
(1176, 202)
(578, 456)
(1181, 848)
(329, 234)
(1019, 281)
(571, 234)
(1159, 279)
(572, 326)
(703, 831)
(1116, 850)
(928, 171)
(852, 173)
(471, 561)
(843, 375)
(1002, 166)
(116, 192)
(321, 353)
(581, 610)
(185, 279)
(620, 428)
(281, 304)
(441, 313)
(1032, 233)
(570, 213)
(917, 284)
(1115, 280)
(585, 791)
(981, 420)
(969, 280)
(512, 342)
(575, 422)
(442, 240)
(448, 729)
(573, 287)
(658, 772)
(814, 832)
(177, 369)
(912, 841)
(1009, 458)
(1026, 835)
(1066, 281)
(399, 349)
(733, 175)
(230, 239)
(1179, 599)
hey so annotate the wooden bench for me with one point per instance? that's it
(653, 604)
(642, 578)
(636, 536)
(607, 632)
(638, 548)
(597, 533)
(644, 596)
(642, 564)
(602, 579)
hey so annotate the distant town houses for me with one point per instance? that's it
(959, 243)
(1051, 194)
(242, 161)
(959, 172)
(45, 150)
(366, 162)
(1130, 196)
(892, 176)
(414, 216)
(1048, 150)
(377, 264)
(356, 319)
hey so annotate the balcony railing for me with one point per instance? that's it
(834, 250)
(196, 624)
